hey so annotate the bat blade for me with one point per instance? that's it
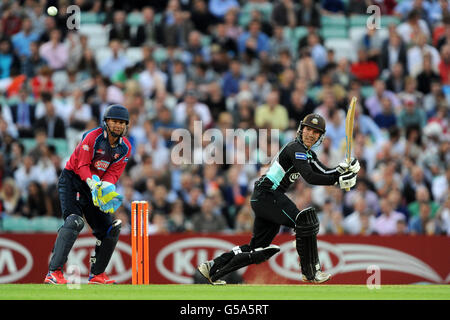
(349, 130)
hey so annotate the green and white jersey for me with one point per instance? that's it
(291, 162)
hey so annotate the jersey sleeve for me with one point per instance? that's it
(305, 168)
(320, 167)
(85, 154)
(115, 170)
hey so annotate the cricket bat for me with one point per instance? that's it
(349, 131)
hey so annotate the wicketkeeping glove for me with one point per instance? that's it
(112, 205)
(94, 184)
(347, 180)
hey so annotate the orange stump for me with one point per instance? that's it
(139, 243)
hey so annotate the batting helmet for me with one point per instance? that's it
(315, 121)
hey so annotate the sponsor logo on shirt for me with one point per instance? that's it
(85, 147)
(101, 165)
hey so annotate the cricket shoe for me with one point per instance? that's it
(101, 278)
(319, 277)
(204, 270)
(55, 277)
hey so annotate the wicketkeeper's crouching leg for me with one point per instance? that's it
(239, 257)
(306, 230)
(104, 249)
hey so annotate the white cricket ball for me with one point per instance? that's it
(52, 11)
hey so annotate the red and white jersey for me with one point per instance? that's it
(94, 155)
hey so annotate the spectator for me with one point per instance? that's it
(412, 26)
(54, 51)
(363, 69)
(411, 115)
(253, 40)
(374, 103)
(417, 53)
(309, 14)
(331, 7)
(201, 17)
(272, 114)
(232, 78)
(284, 13)
(386, 222)
(331, 219)
(422, 196)
(52, 124)
(38, 203)
(428, 75)
(152, 80)
(219, 8)
(190, 105)
(393, 51)
(10, 199)
(147, 33)
(118, 62)
(423, 223)
(396, 80)
(177, 33)
(224, 41)
(361, 221)
(23, 114)
(443, 216)
(441, 184)
(34, 62)
(21, 41)
(120, 29)
(386, 119)
(444, 65)
(176, 221)
(9, 61)
(206, 221)
(26, 173)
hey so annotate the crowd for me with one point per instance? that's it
(248, 74)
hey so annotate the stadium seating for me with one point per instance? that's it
(343, 48)
(60, 145)
(36, 224)
(98, 35)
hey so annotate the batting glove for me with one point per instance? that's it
(347, 180)
(353, 166)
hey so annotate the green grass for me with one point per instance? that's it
(229, 292)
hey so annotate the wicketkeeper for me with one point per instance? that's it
(86, 188)
(273, 208)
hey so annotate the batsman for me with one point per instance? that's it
(273, 208)
(86, 189)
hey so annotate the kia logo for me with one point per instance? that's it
(286, 263)
(84, 248)
(15, 259)
(185, 255)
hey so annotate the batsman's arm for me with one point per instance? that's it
(313, 177)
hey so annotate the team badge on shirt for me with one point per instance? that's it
(301, 156)
(85, 147)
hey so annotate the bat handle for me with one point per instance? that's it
(348, 161)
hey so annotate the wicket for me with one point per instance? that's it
(140, 267)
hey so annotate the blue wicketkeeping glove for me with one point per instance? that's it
(112, 205)
(94, 184)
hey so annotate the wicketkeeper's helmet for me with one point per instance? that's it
(118, 112)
